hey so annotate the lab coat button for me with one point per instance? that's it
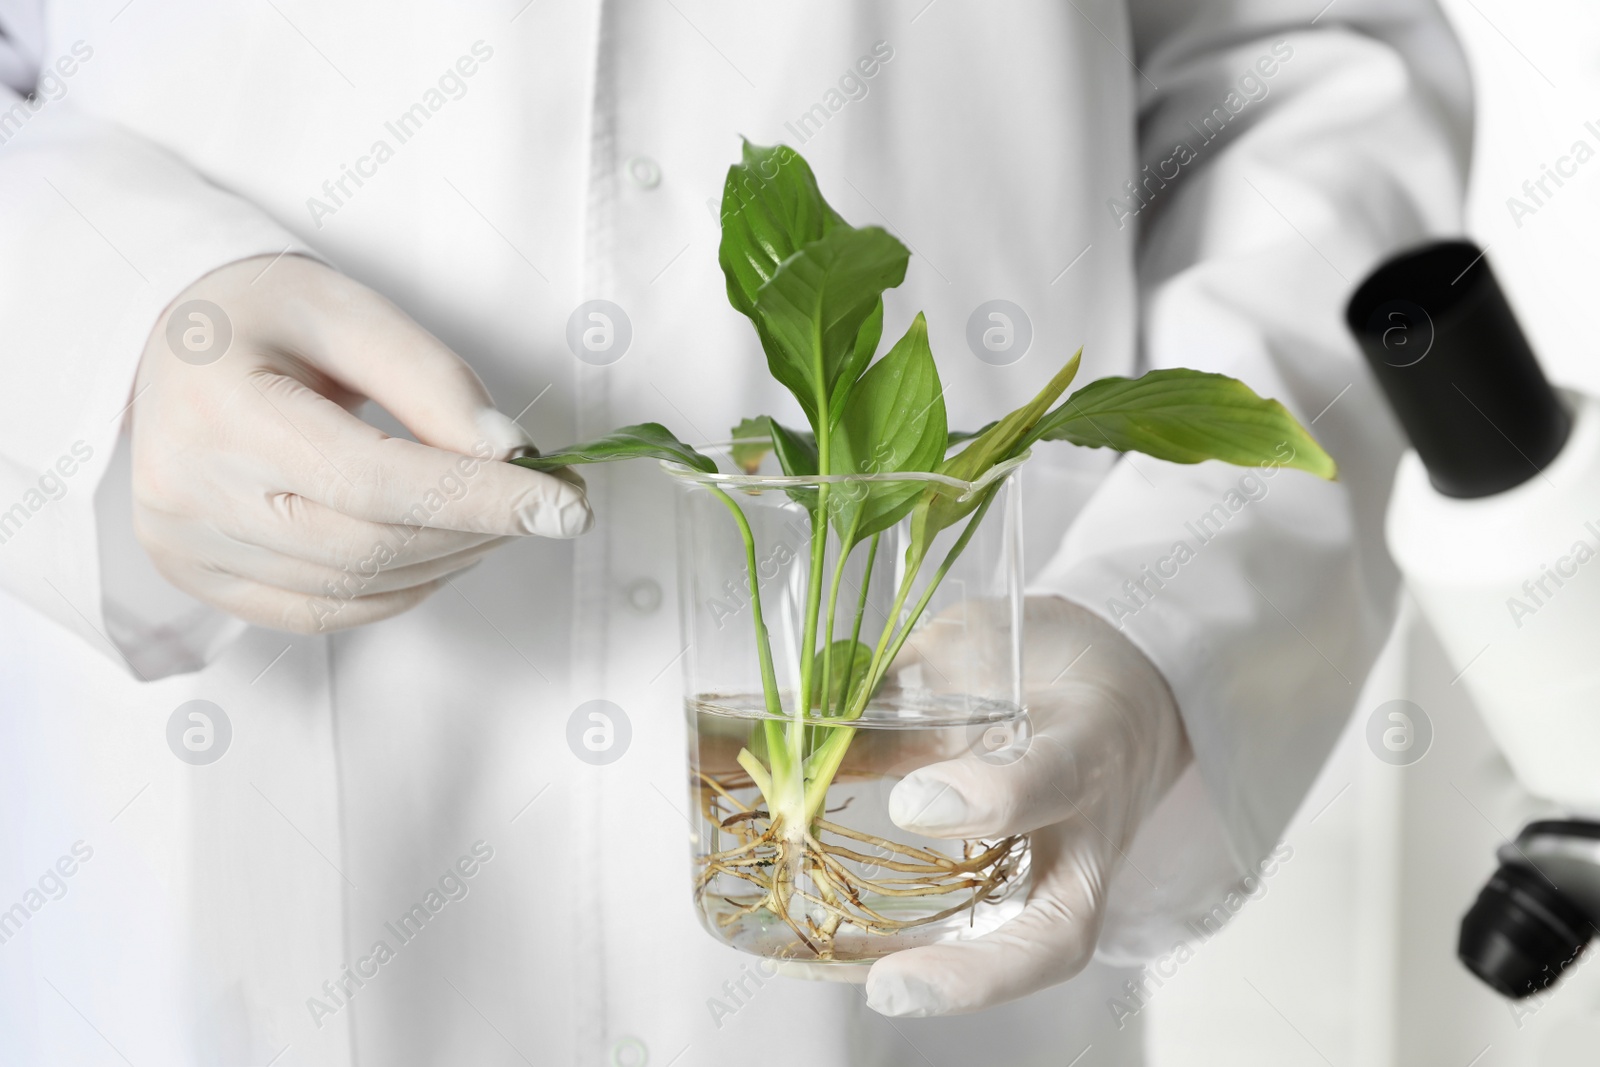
(643, 596)
(644, 172)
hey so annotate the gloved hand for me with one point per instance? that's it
(1107, 743)
(257, 490)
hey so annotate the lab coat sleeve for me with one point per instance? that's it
(99, 232)
(1283, 155)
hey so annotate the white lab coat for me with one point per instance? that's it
(577, 161)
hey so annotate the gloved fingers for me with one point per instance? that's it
(971, 639)
(371, 347)
(311, 531)
(377, 573)
(296, 576)
(964, 648)
(357, 470)
(1050, 941)
(1066, 768)
(283, 609)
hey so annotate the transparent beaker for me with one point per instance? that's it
(916, 658)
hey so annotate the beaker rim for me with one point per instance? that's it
(964, 489)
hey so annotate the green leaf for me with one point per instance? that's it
(796, 451)
(940, 506)
(649, 440)
(893, 423)
(957, 436)
(852, 659)
(814, 308)
(756, 744)
(1001, 440)
(866, 347)
(797, 456)
(1186, 416)
(771, 208)
(752, 439)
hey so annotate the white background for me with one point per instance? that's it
(1349, 956)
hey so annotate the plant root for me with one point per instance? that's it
(813, 880)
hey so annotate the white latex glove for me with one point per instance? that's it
(257, 490)
(1107, 743)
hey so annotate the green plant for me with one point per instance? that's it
(813, 287)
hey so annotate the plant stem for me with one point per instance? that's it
(938, 576)
(855, 631)
(888, 628)
(794, 780)
(769, 678)
(808, 631)
(847, 544)
(826, 760)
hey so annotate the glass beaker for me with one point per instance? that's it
(827, 659)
